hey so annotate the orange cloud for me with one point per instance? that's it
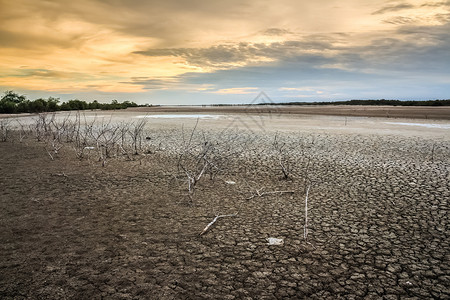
(236, 91)
(94, 45)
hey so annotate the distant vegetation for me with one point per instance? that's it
(372, 102)
(12, 103)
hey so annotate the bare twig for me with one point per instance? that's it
(4, 130)
(214, 221)
(22, 131)
(432, 152)
(262, 194)
(305, 228)
(60, 174)
(51, 156)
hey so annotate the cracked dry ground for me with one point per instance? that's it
(73, 230)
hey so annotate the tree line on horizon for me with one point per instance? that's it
(445, 102)
(12, 103)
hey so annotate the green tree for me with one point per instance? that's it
(94, 105)
(52, 104)
(38, 105)
(13, 97)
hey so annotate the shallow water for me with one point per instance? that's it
(257, 123)
(180, 116)
(427, 125)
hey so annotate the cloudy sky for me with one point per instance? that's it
(195, 52)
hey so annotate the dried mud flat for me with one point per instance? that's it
(377, 213)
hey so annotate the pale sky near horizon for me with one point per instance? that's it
(199, 52)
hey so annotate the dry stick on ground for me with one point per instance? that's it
(262, 194)
(432, 152)
(306, 172)
(305, 228)
(60, 174)
(214, 221)
(259, 192)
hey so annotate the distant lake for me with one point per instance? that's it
(180, 116)
(427, 125)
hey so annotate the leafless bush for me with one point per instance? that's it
(105, 137)
(23, 131)
(136, 133)
(42, 125)
(208, 154)
(53, 145)
(83, 141)
(284, 158)
(193, 161)
(73, 125)
(5, 128)
(53, 132)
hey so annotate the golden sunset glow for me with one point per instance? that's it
(157, 50)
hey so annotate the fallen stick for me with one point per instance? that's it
(214, 221)
(305, 228)
(259, 194)
(51, 156)
(60, 174)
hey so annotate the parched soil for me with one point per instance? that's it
(377, 213)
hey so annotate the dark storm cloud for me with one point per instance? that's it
(443, 18)
(45, 73)
(404, 53)
(171, 21)
(227, 55)
(399, 20)
(402, 50)
(392, 63)
(136, 45)
(154, 83)
(276, 32)
(9, 39)
(436, 4)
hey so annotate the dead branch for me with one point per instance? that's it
(305, 228)
(22, 131)
(4, 130)
(60, 174)
(262, 194)
(51, 156)
(214, 221)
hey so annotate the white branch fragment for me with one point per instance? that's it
(274, 241)
(262, 194)
(214, 221)
(51, 156)
(305, 228)
(61, 174)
